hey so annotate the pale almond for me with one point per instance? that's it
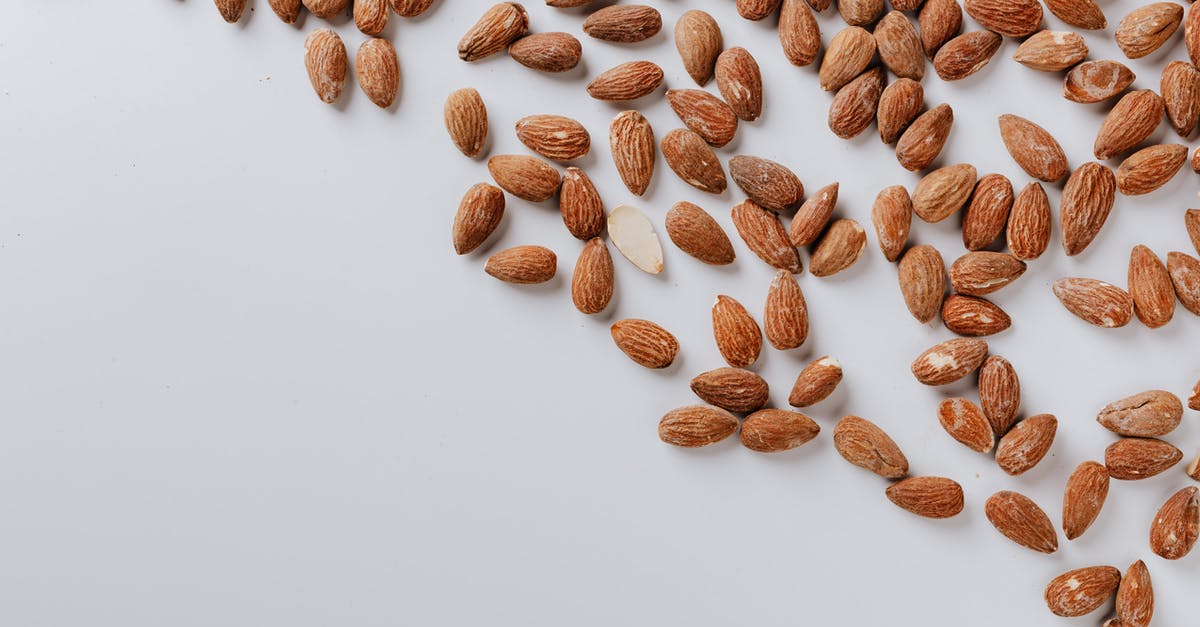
(973, 316)
(1177, 524)
(697, 425)
(765, 236)
(1033, 148)
(1134, 118)
(775, 430)
(942, 192)
(1147, 414)
(523, 265)
(966, 54)
(371, 16)
(580, 205)
(924, 139)
(1087, 200)
(816, 382)
(785, 314)
(999, 393)
(1019, 519)
(899, 104)
(466, 121)
(631, 140)
(1051, 51)
(1096, 81)
(799, 33)
(891, 214)
(854, 106)
(627, 81)
(964, 421)
(525, 177)
(931, 497)
(555, 137)
(939, 22)
(1026, 444)
(1096, 302)
(499, 26)
(1151, 289)
(1131, 459)
(593, 278)
(623, 23)
(705, 114)
(698, 234)
(479, 213)
(1150, 168)
(849, 53)
(810, 219)
(693, 161)
(949, 361)
(1147, 28)
(645, 342)
(698, 40)
(732, 389)
(1028, 231)
(737, 334)
(922, 276)
(1083, 498)
(633, 235)
(980, 273)
(1081, 591)
(547, 52)
(987, 213)
(862, 443)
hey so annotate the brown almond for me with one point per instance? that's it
(1147, 28)
(799, 33)
(698, 40)
(1096, 81)
(523, 265)
(1135, 117)
(1022, 521)
(1147, 414)
(1185, 277)
(949, 361)
(906, 5)
(892, 216)
(931, 497)
(973, 316)
(554, 137)
(939, 22)
(785, 315)
(1083, 14)
(943, 191)
(737, 334)
(326, 61)
(899, 46)
(987, 213)
(1026, 444)
(1180, 90)
(1151, 290)
(1081, 591)
(1130, 459)
(1191, 221)
(756, 9)
(1033, 148)
(378, 71)
(922, 276)
(1191, 33)
(816, 382)
(478, 215)
(980, 273)
(964, 421)
(499, 26)
(1135, 596)
(525, 177)
(592, 281)
(697, 425)
(924, 139)
(1150, 168)
(862, 443)
(547, 52)
(860, 12)
(1096, 302)
(1086, 491)
(623, 23)
(999, 393)
(1194, 401)
(631, 140)
(740, 83)
(1011, 18)
(371, 16)
(627, 81)
(966, 54)
(849, 53)
(899, 104)
(1087, 200)
(1029, 223)
(705, 114)
(810, 219)
(645, 342)
(775, 430)
(698, 234)
(566, 4)
(580, 205)
(765, 236)
(410, 8)
(1051, 51)
(732, 389)
(466, 121)
(841, 247)
(231, 10)
(1193, 469)
(287, 10)
(693, 161)
(326, 8)
(1175, 527)
(767, 183)
(854, 107)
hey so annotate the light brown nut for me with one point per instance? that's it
(839, 249)
(949, 361)
(769, 184)
(987, 213)
(287, 10)
(697, 425)
(631, 140)
(547, 52)
(799, 33)
(1150, 168)
(740, 83)
(1087, 200)
(522, 265)
(765, 236)
(705, 114)
(1135, 118)
(554, 137)
(1029, 223)
(231, 10)
(1147, 28)
(999, 393)
(1033, 148)
(924, 139)
(1051, 51)
(899, 46)
(1130, 459)
(810, 219)
(862, 443)
(1151, 289)
(922, 276)
(327, 64)
(737, 334)
(326, 8)
(1135, 596)
(1026, 444)
(1022, 521)
(593, 279)
(499, 26)
(931, 497)
(645, 342)
(1081, 591)
(732, 389)
(849, 53)
(1011, 18)
(1185, 277)
(1191, 221)
(698, 40)
(627, 81)
(943, 191)
(1194, 401)
(1083, 498)
(939, 22)
(1175, 527)
(906, 5)
(1096, 81)
(698, 234)
(756, 9)
(980, 273)
(899, 104)
(1083, 14)
(371, 16)
(1191, 33)
(775, 430)
(623, 23)
(816, 382)
(964, 421)
(466, 121)
(892, 216)
(973, 316)
(693, 160)
(785, 314)
(1193, 469)
(525, 177)
(580, 205)
(854, 107)
(860, 12)
(479, 213)
(410, 8)
(1180, 90)
(966, 54)
(1096, 302)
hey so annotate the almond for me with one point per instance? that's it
(966, 54)
(1185, 276)
(1096, 302)
(767, 183)
(645, 343)
(697, 425)
(1135, 117)
(1051, 51)
(1026, 444)
(1147, 28)
(1180, 89)
(592, 281)
(523, 265)
(326, 62)
(1087, 200)
(973, 316)
(906, 5)
(799, 33)
(633, 235)
(816, 382)
(466, 121)
(899, 104)
(987, 213)
(371, 16)
(922, 276)
(841, 247)
(623, 23)
(554, 136)
(939, 22)
(566, 4)
(499, 26)
(1150, 168)
(1011, 18)
(849, 53)
(892, 216)
(1174, 531)
(410, 8)
(1194, 401)
(698, 234)
(231, 10)
(1029, 223)
(860, 12)
(1191, 34)
(785, 315)
(1086, 491)
(775, 430)
(705, 114)
(326, 8)
(923, 141)
(964, 421)
(1130, 459)
(1191, 221)
(1022, 521)
(899, 46)
(580, 205)
(1135, 596)
(1193, 469)
(287, 10)
(693, 161)
(756, 9)
(1095, 81)
(737, 334)
(943, 191)
(1151, 290)
(855, 105)
(627, 81)
(813, 215)
(740, 83)
(631, 140)
(862, 443)
(765, 236)
(698, 40)
(980, 273)
(547, 52)
(478, 215)
(732, 389)
(949, 361)
(1033, 148)
(525, 177)
(1081, 591)
(1083, 14)
(931, 497)
(999, 393)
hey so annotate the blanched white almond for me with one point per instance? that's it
(631, 232)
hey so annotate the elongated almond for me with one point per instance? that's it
(1033, 148)
(1150, 168)
(892, 216)
(287, 10)
(1191, 221)
(1083, 498)
(987, 213)
(765, 236)
(899, 104)
(1130, 459)
(580, 205)
(1011, 18)
(849, 53)
(633, 234)
(1096, 302)
(326, 8)
(966, 54)
(693, 161)
(1022, 521)
(1191, 33)
(592, 280)
(1051, 51)
(627, 81)
(799, 33)
(479, 213)
(231, 10)
(812, 216)
(775, 430)
(466, 121)
(964, 421)
(949, 361)
(499, 26)
(1026, 444)
(943, 191)
(732, 389)
(980, 273)
(740, 83)
(922, 276)
(1135, 596)
(623, 23)
(1151, 290)
(1185, 277)
(816, 382)
(1083, 14)
(326, 61)
(697, 425)
(1087, 200)
(899, 46)
(547, 52)
(1147, 414)
(554, 137)
(931, 497)
(1177, 524)
(410, 8)
(767, 183)
(523, 265)
(999, 393)
(854, 107)
(631, 140)
(839, 249)
(525, 177)
(1180, 90)
(1029, 223)
(785, 314)
(1193, 469)
(698, 234)
(862, 443)
(1095, 81)
(973, 316)
(737, 334)
(939, 22)
(645, 342)
(1135, 117)
(924, 139)
(1081, 591)
(705, 114)
(756, 9)
(371, 16)
(698, 40)
(1147, 28)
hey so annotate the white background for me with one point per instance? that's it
(246, 381)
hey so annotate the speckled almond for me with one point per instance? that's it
(949, 361)
(816, 382)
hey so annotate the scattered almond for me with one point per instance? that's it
(633, 235)
(1135, 596)
(860, 12)
(765, 236)
(1033, 148)
(1022, 521)
(924, 139)
(899, 104)
(1051, 51)
(1086, 491)
(799, 33)
(523, 265)
(1011, 18)
(855, 105)
(892, 216)
(775, 430)
(1029, 223)
(697, 425)
(943, 191)
(737, 334)
(1130, 459)
(769, 184)
(698, 40)
(1081, 591)
(785, 315)
(1026, 444)
(816, 382)
(812, 216)
(326, 8)
(410, 8)
(693, 161)
(1096, 81)
(631, 140)
(756, 9)
(1151, 290)
(1191, 34)
(949, 361)
(740, 83)
(287, 10)
(862, 443)
(841, 247)
(646, 343)
(922, 276)
(231, 10)
(1193, 469)
(478, 215)
(973, 316)
(999, 393)
(931, 497)
(1083, 14)
(1185, 277)
(627, 81)
(593, 279)
(966, 54)
(732, 389)
(899, 46)
(705, 114)
(1096, 302)
(499, 26)
(1191, 221)
(698, 234)
(1087, 200)
(939, 22)
(525, 177)
(849, 53)
(326, 61)
(1135, 117)
(980, 273)
(466, 121)
(623, 23)
(371, 16)
(1180, 90)
(1175, 527)
(554, 137)
(547, 52)
(1147, 28)
(964, 421)
(987, 213)
(1150, 168)
(580, 205)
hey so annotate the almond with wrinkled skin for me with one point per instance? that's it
(1147, 28)
(906, 5)
(740, 83)
(1026, 444)
(1191, 221)
(1011, 18)
(231, 10)
(1175, 527)
(1029, 223)
(1019, 519)
(862, 443)
(1130, 459)
(547, 52)
(554, 137)
(769, 184)
(1135, 118)
(410, 8)
(371, 16)
(924, 139)
(799, 33)
(698, 234)
(785, 314)
(499, 26)
(1150, 168)
(737, 334)
(943, 191)
(631, 140)
(1191, 33)
(1087, 200)
(966, 54)
(645, 342)
(816, 382)
(939, 22)
(987, 213)
(1033, 148)
(949, 361)
(819, 5)
(1185, 277)
(860, 12)
(627, 81)
(593, 278)
(1180, 90)
(854, 107)
(922, 276)
(1151, 289)
(1096, 302)
(849, 53)
(1193, 469)
(1081, 591)
(378, 71)
(1096, 81)
(732, 389)
(287, 10)
(999, 393)
(466, 121)
(1083, 14)
(697, 425)
(566, 4)
(326, 61)
(841, 247)
(899, 104)
(326, 8)
(705, 114)
(899, 46)
(973, 316)
(765, 236)
(525, 177)
(1194, 402)
(693, 161)
(964, 421)
(755, 10)
(931, 497)
(813, 215)
(1147, 414)
(980, 273)
(633, 235)
(1086, 491)
(1051, 51)
(892, 216)
(1135, 596)
(523, 265)
(775, 430)
(479, 213)
(623, 23)
(698, 40)
(580, 205)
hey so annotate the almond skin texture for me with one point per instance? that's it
(922, 276)
(964, 421)
(326, 8)
(1175, 527)
(775, 430)
(862, 443)
(1150, 168)
(899, 104)
(849, 53)
(627, 81)
(1096, 302)
(697, 425)
(1026, 444)
(931, 497)
(924, 139)
(1191, 33)
(1096, 81)
(554, 137)
(523, 265)
(479, 214)
(1051, 51)
(860, 12)
(1193, 469)
(1180, 90)
(769, 184)
(1151, 290)
(943, 191)
(466, 121)
(892, 216)
(1130, 459)
(499, 26)
(326, 61)
(631, 140)
(1033, 148)
(1191, 220)
(705, 114)
(1135, 118)
(231, 10)
(693, 161)
(287, 10)
(999, 393)
(732, 389)
(740, 83)
(645, 343)
(698, 40)
(841, 247)
(378, 71)
(755, 10)
(966, 54)
(1087, 489)
(949, 361)
(525, 177)
(1011, 18)
(813, 215)
(371, 16)
(1147, 28)
(1185, 276)
(939, 22)
(799, 33)
(855, 105)
(547, 52)
(973, 317)
(1087, 200)
(1083, 14)
(816, 382)
(593, 279)
(1029, 223)
(987, 213)
(410, 8)
(1148, 414)
(1081, 591)
(982, 272)
(623, 23)
(765, 236)
(580, 205)
(1022, 521)
(899, 46)
(1135, 596)
(785, 314)
(736, 333)
(698, 234)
